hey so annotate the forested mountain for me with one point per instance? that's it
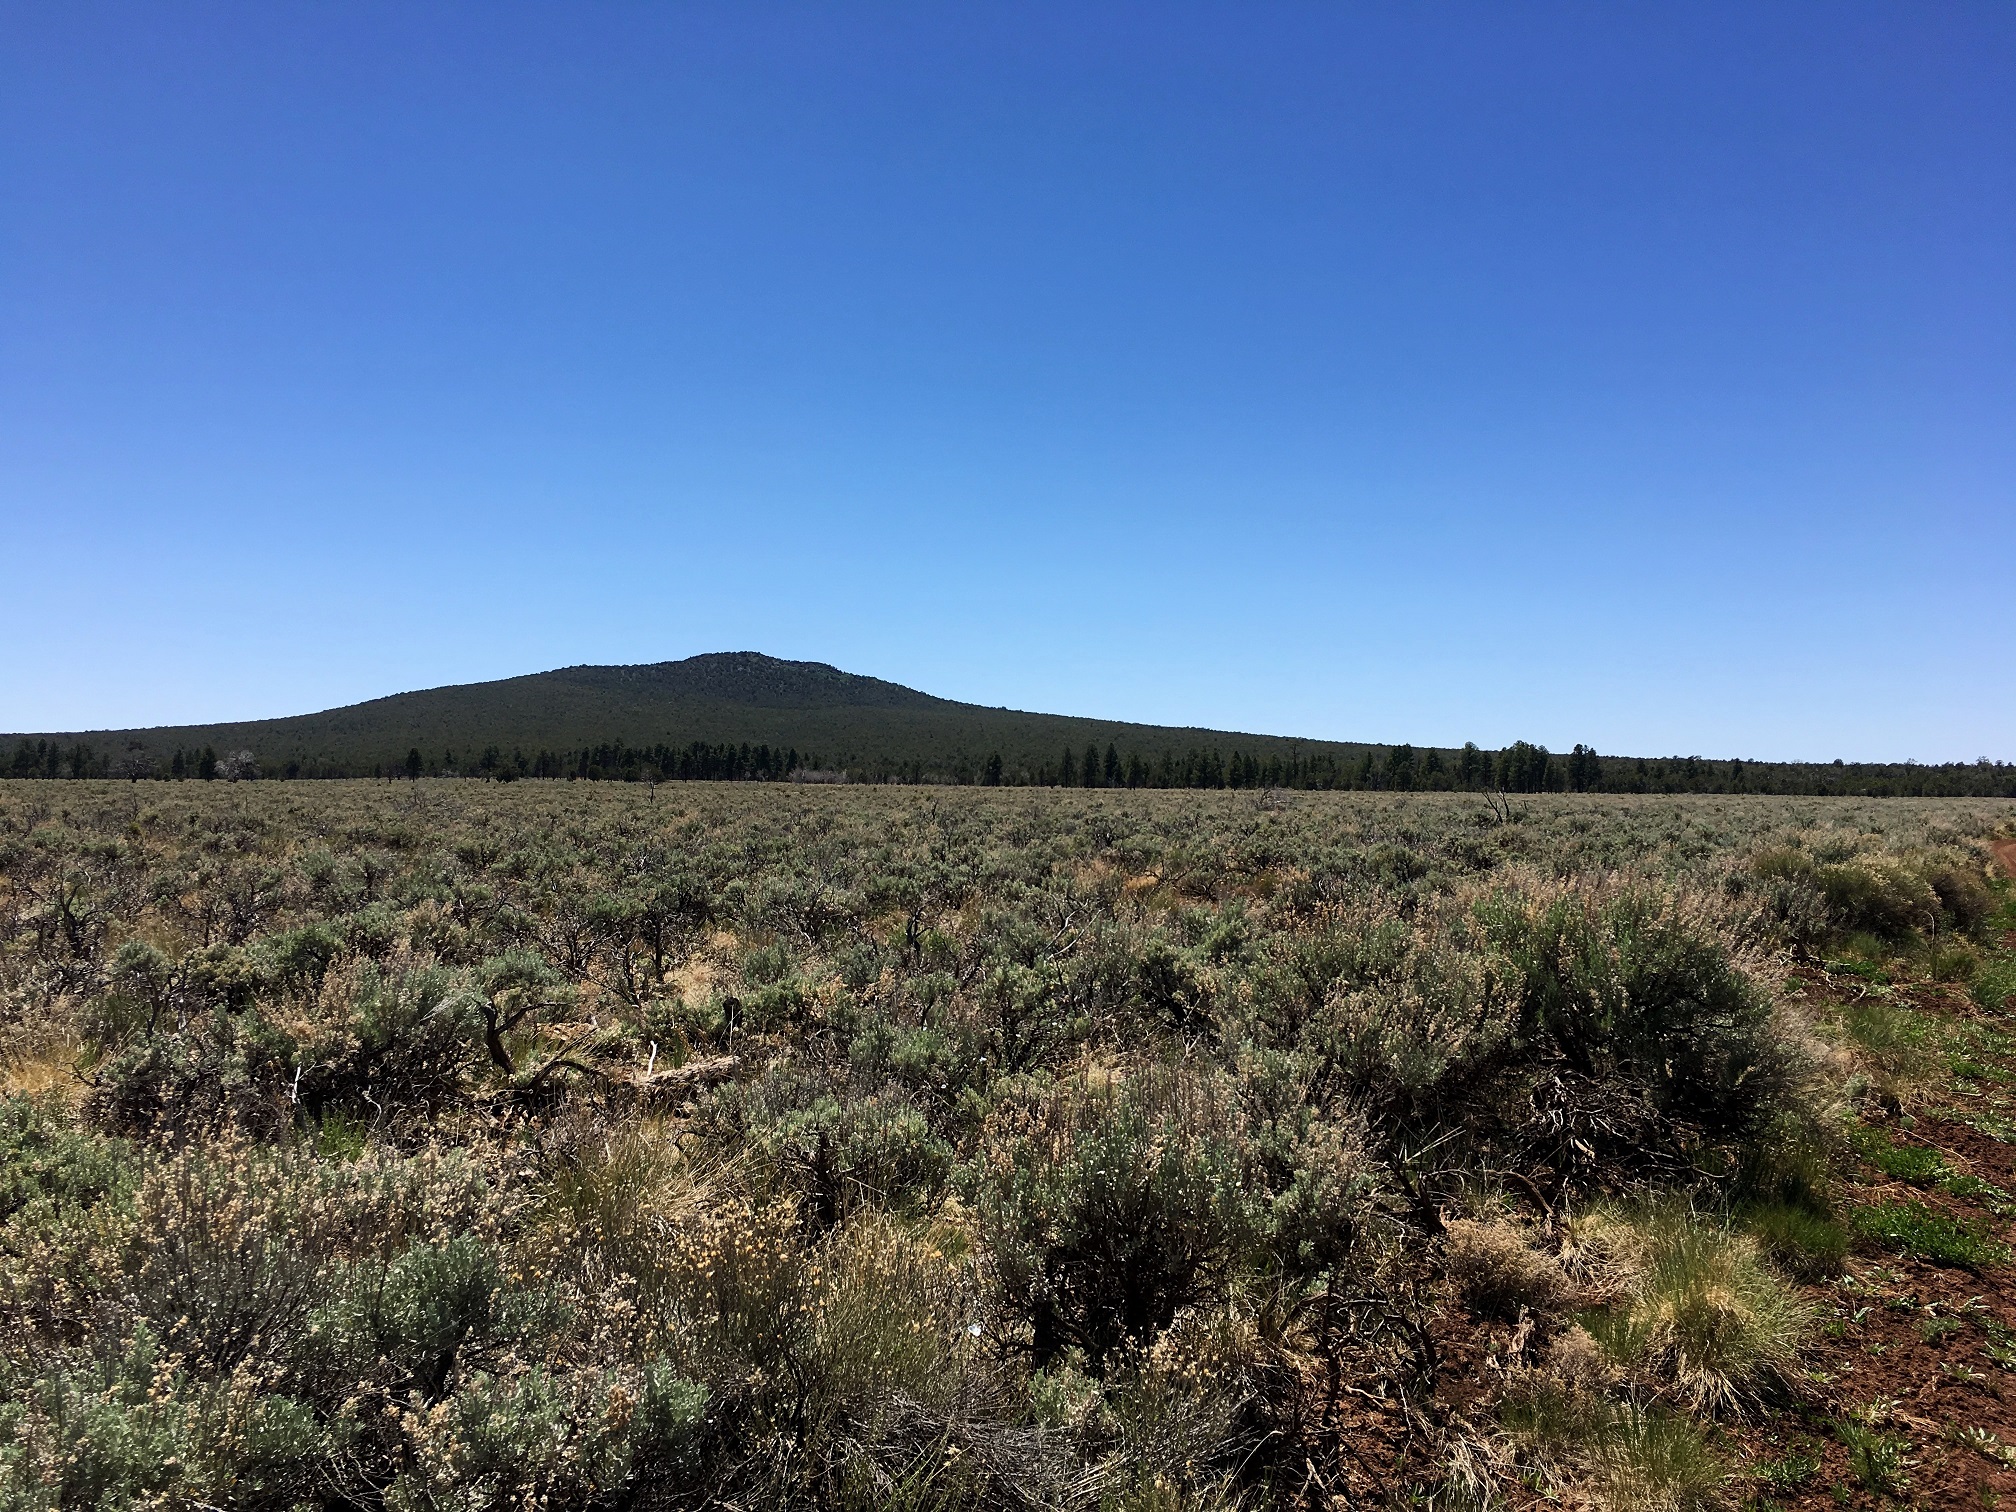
(698, 713)
(742, 715)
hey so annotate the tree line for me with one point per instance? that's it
(1522, 767)
(613, 760)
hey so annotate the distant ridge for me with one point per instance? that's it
(741, 714)
(866, 726)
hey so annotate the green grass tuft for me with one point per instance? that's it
(1913, 1229)
(1791, 1471)
(1912, 1163)
(1808, 1244)
(1878, 1459)
(1995, 981)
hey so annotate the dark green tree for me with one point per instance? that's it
(1473, 767)
(1585, 769)
(1400, 768)
(1526, 768)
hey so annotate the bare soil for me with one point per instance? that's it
(1903, 1344)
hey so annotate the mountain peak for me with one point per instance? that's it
(752, 678)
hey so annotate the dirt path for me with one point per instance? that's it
(2005, 855)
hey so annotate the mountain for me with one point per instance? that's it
(831, 719)
(741, 714)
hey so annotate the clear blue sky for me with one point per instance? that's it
(1636, 374)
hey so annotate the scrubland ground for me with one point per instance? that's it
(450, 1145)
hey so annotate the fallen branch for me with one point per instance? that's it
(695, 1073)
(561, 1062)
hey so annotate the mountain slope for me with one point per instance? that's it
(692, 718)
(862, 723)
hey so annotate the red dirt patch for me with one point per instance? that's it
(1904, 1344)
(1912, 1337)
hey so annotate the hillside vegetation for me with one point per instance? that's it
(743, 716)
(456, 1145)
(618, 721)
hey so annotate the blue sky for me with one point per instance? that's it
(1642, 375)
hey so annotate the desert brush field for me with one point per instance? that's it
(465, 1145)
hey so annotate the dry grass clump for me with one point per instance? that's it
(1651, 1461)
(1499, 1271)
(612, 1192)
(1691, 1322)
(1702, 1314)
(1563, 1422)
(42, 1063)
(1606, 1249)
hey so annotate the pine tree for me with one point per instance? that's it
(1472, 770)
(1400, 768)
(1585, 769)
(1526, 768)
(1068, 773)
(1090, 771)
